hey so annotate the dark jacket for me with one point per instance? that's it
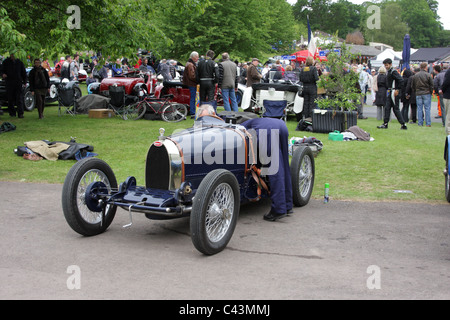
(309, 75)
(380, 96)
(406, 75)
(423, 83)
(207, 69)
(15, 71)
(393, 75)
(39, 79)
(409, 90)
(446, 85)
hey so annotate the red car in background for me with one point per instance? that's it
(182, 95)
(136, 84)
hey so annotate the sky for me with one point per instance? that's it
(443, 10)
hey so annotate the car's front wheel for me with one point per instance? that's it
(86, 181)
(215, 211)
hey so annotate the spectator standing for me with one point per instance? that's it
(411, 96)
(393, 78)
(445, 89)
(373, 85)
(228, 83)
(423, 85)
(16, 78)
(363, 84)
(65, 69)
(309, 77)
(190, 79)
(438, 81)
(165, 70)
(405, 101)
(74, 67)
(145, 67)
(39, 86)
(253, 75)
(381, 92)
(207, 77)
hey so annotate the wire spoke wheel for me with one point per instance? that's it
(88, 182)
(134, 111)
(215, 211)
(174, 112)
(219, 213)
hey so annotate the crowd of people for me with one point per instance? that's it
(387, 88)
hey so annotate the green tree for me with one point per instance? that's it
(116, 27)
(422, 20)
(392, 28)
(245, 29)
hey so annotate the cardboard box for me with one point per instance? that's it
(100, 113)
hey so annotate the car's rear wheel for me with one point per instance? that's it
(215, 212)
(81, 201)
(302, 175)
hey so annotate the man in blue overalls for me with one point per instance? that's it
(274, 157)
(279, 171)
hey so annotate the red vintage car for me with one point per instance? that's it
(181, 93)
(136, 84)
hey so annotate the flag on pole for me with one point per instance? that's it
(197, 101)
(311, 41)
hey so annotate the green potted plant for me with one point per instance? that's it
(337, 108)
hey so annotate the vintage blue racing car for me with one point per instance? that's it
(205, 172)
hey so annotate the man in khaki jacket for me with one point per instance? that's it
(253, 76)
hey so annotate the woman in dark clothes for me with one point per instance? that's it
(380, 97)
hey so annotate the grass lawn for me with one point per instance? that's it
(369, 171)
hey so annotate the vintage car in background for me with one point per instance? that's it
(136, 84)
(182, 180)
(182, 95)
(254, 97)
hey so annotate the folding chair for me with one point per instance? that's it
(117, 96)
(66, 99)
(275, 109)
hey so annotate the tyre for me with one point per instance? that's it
(77, 93)
(302, 175)
(174, 112)
(134, 111)
(28, 100)
(215, 212)
(53, 94)
(447, 181)
(81, 207)
(239, 94)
